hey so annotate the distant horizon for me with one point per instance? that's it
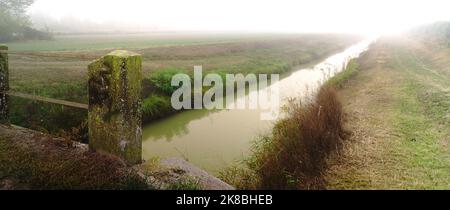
(218, 32)
(196, 32)
(270, 16)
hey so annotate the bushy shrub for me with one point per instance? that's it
(155, 107)
(294, 155)
(163, 79)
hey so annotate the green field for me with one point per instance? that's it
(82, 42)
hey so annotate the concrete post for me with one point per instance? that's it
(115, 116)
(4, 85)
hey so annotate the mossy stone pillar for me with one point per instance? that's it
(4, 85)
(115, 116)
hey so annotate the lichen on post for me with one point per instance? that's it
(4, 85)
(115, 116)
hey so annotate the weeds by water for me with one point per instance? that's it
(186, 183)
(294, 155)
(341, 78)
(155, 107)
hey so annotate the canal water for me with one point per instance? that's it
(212, 140)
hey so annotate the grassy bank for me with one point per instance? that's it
(398, 108)
(341, 79)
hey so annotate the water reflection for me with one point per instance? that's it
(178, 125)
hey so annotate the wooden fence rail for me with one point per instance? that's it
(46, 100)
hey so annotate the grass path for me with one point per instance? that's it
(398, 108)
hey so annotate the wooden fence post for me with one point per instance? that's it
(4, 85)
(115, 116)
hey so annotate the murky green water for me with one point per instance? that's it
(213, 140)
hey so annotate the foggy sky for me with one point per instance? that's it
(347, 16)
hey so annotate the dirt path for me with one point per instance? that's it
(398, 109)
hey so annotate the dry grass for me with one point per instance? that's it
(301, 143)
(294, 155)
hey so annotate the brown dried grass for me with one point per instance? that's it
(295, 155)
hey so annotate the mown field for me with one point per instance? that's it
(58, 68)
(398, 107)
(98, 41)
